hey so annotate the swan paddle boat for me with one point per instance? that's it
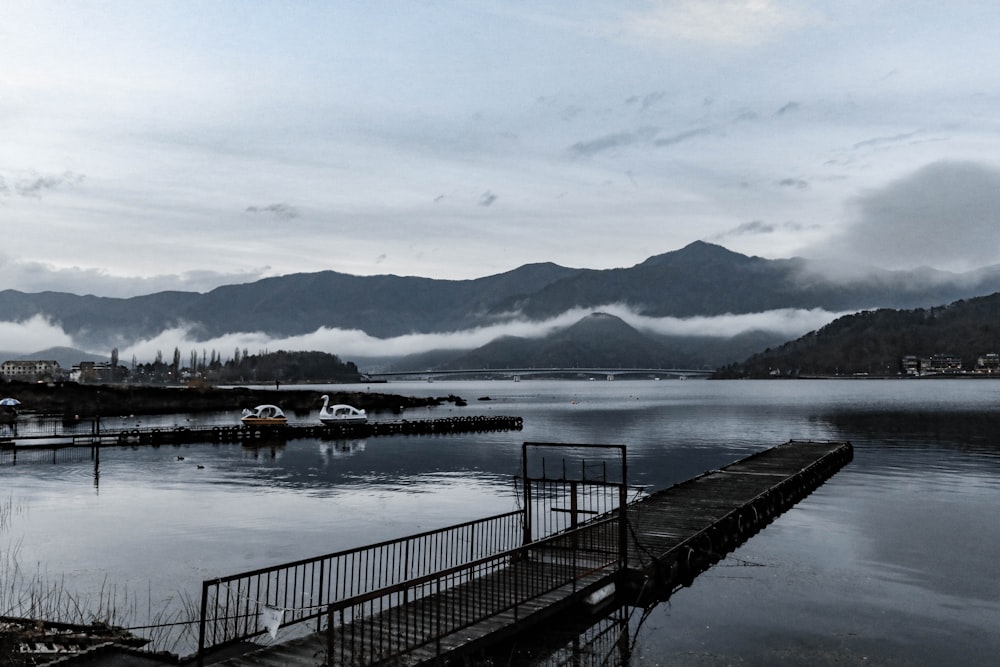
(264, 415)
(340, 413)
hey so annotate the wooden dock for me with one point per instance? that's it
(250, 435)
(680, 531)
(448, 613)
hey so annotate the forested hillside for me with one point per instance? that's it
(874, 342)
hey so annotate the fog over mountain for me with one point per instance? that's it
(947, 210)
(699, 298)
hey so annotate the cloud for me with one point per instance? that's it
(787, 108)
(612, 141)
(645, 102)
(282, 211)
(946, 215)
(875, 142)
(32, 335)
(643, 135)
(756, 227)
(35, 277)
(680, 136)
(791, 322)
(731, 23)
(39, 333)
(752, 227)
(35, 185)
(353, 343)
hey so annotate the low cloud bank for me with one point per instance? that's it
(39, 333)
(792, 322)
(349, 343)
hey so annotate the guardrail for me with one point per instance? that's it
(420, 613)
(233, 608)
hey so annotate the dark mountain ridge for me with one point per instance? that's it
(700, 279)
(599, 340)
(706, 279)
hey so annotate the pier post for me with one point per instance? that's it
(623, 513)
(527, 494)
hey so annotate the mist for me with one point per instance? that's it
(945, 214)
(39, 333)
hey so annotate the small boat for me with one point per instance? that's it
(264, 415)
(340, 413)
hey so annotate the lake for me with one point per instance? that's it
(893, 561)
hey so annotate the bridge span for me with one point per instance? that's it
(590, 373)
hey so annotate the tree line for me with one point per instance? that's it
(242, 367)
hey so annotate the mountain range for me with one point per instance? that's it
(613, 312)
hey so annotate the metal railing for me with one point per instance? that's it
(233, 607)
(560, 505)
(418, 614)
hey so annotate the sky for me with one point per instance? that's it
(149, 146)
(183, 145)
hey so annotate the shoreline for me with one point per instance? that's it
(84, 400)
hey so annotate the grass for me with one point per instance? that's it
(171, 626)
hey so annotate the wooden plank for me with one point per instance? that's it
(662, 526)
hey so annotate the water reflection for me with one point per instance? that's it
(892, 560)
(602, 639)
(256, 449)
(338, 448)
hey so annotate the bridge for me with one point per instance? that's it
(591, 373)
(451, 595)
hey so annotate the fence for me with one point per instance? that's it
(421, 613)
(233, 607)
(581, 482)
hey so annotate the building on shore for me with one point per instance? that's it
(949, 364)
(31, 369)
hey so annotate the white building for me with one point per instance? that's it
(30, 369)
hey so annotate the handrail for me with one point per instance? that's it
(381, 624)
(231, 606)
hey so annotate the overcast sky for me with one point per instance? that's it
(182, 145)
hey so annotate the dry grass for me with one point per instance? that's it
(170, 625)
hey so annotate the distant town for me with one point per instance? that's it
(242, 367)
(319, 366)
(44, 370)
(912, 365)
(949, 364)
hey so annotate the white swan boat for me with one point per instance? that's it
(340, 413)
(264, 415)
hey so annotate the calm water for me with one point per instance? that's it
(893, 561)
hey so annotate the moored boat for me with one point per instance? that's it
(264, 415)
(340, 413)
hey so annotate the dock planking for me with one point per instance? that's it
(674, 534)
(371, 645)
(679, 531)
